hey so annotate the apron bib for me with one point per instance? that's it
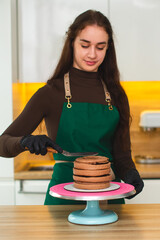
(85, 127)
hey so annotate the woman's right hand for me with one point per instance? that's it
(112, 175)
(38, 144)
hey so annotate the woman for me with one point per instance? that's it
(80, 114)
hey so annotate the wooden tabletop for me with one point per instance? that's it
(140, 222)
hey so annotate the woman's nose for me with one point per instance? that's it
(92, 52)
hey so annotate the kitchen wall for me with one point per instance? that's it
(142, 96)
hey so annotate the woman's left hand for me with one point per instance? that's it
(132, 177)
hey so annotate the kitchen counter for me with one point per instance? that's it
(24, 161)
(147, 171)
(140, 222)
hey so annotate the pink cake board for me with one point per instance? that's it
(125, 190)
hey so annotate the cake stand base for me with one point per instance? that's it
(92, 215)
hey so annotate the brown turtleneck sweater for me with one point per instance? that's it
(47, 103)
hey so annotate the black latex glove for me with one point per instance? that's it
(132, 177)
(38, 144)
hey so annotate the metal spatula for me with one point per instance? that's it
(72, 154)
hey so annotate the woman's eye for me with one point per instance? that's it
(83, 46)
(86, 46)
(99, 48)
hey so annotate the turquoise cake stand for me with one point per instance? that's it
(92, 214)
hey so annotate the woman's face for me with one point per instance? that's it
(89, 48)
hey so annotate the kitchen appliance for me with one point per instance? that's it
(92, 214)
(149, 120)
(147, 159)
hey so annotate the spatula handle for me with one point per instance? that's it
(49, 149)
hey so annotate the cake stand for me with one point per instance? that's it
(92, 214)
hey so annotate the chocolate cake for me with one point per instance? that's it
(91, 172)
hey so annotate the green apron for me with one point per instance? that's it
(85, 127)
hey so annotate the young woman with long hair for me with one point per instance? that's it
(84, 107)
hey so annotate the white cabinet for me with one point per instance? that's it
(6, 76)
(6, 167)
(41, 35)
(30, 192)
(150, 193)
(6, 182)
(135, 23)
(33, 192)
(137, 37)
(7, 192)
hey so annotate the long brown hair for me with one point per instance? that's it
(108, 69)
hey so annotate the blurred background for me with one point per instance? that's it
(32, 33)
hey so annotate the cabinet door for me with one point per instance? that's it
(6, 168)
(137, 37)
(6, 76)
(150, 193)
(7, 192)
(41, 35)
(30, 192)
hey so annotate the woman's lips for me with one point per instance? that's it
(90, 63)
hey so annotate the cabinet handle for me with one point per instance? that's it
(27, 192)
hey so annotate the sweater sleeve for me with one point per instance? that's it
(33, 113)
(122, 158)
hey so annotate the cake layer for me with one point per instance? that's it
(91, 166)
(91, 186)
(93, 159)
(102, 179)
(82, 172)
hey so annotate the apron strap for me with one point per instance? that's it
(67, 89)
(68, 95)
(107, 95)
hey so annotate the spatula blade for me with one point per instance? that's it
(78, 154)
